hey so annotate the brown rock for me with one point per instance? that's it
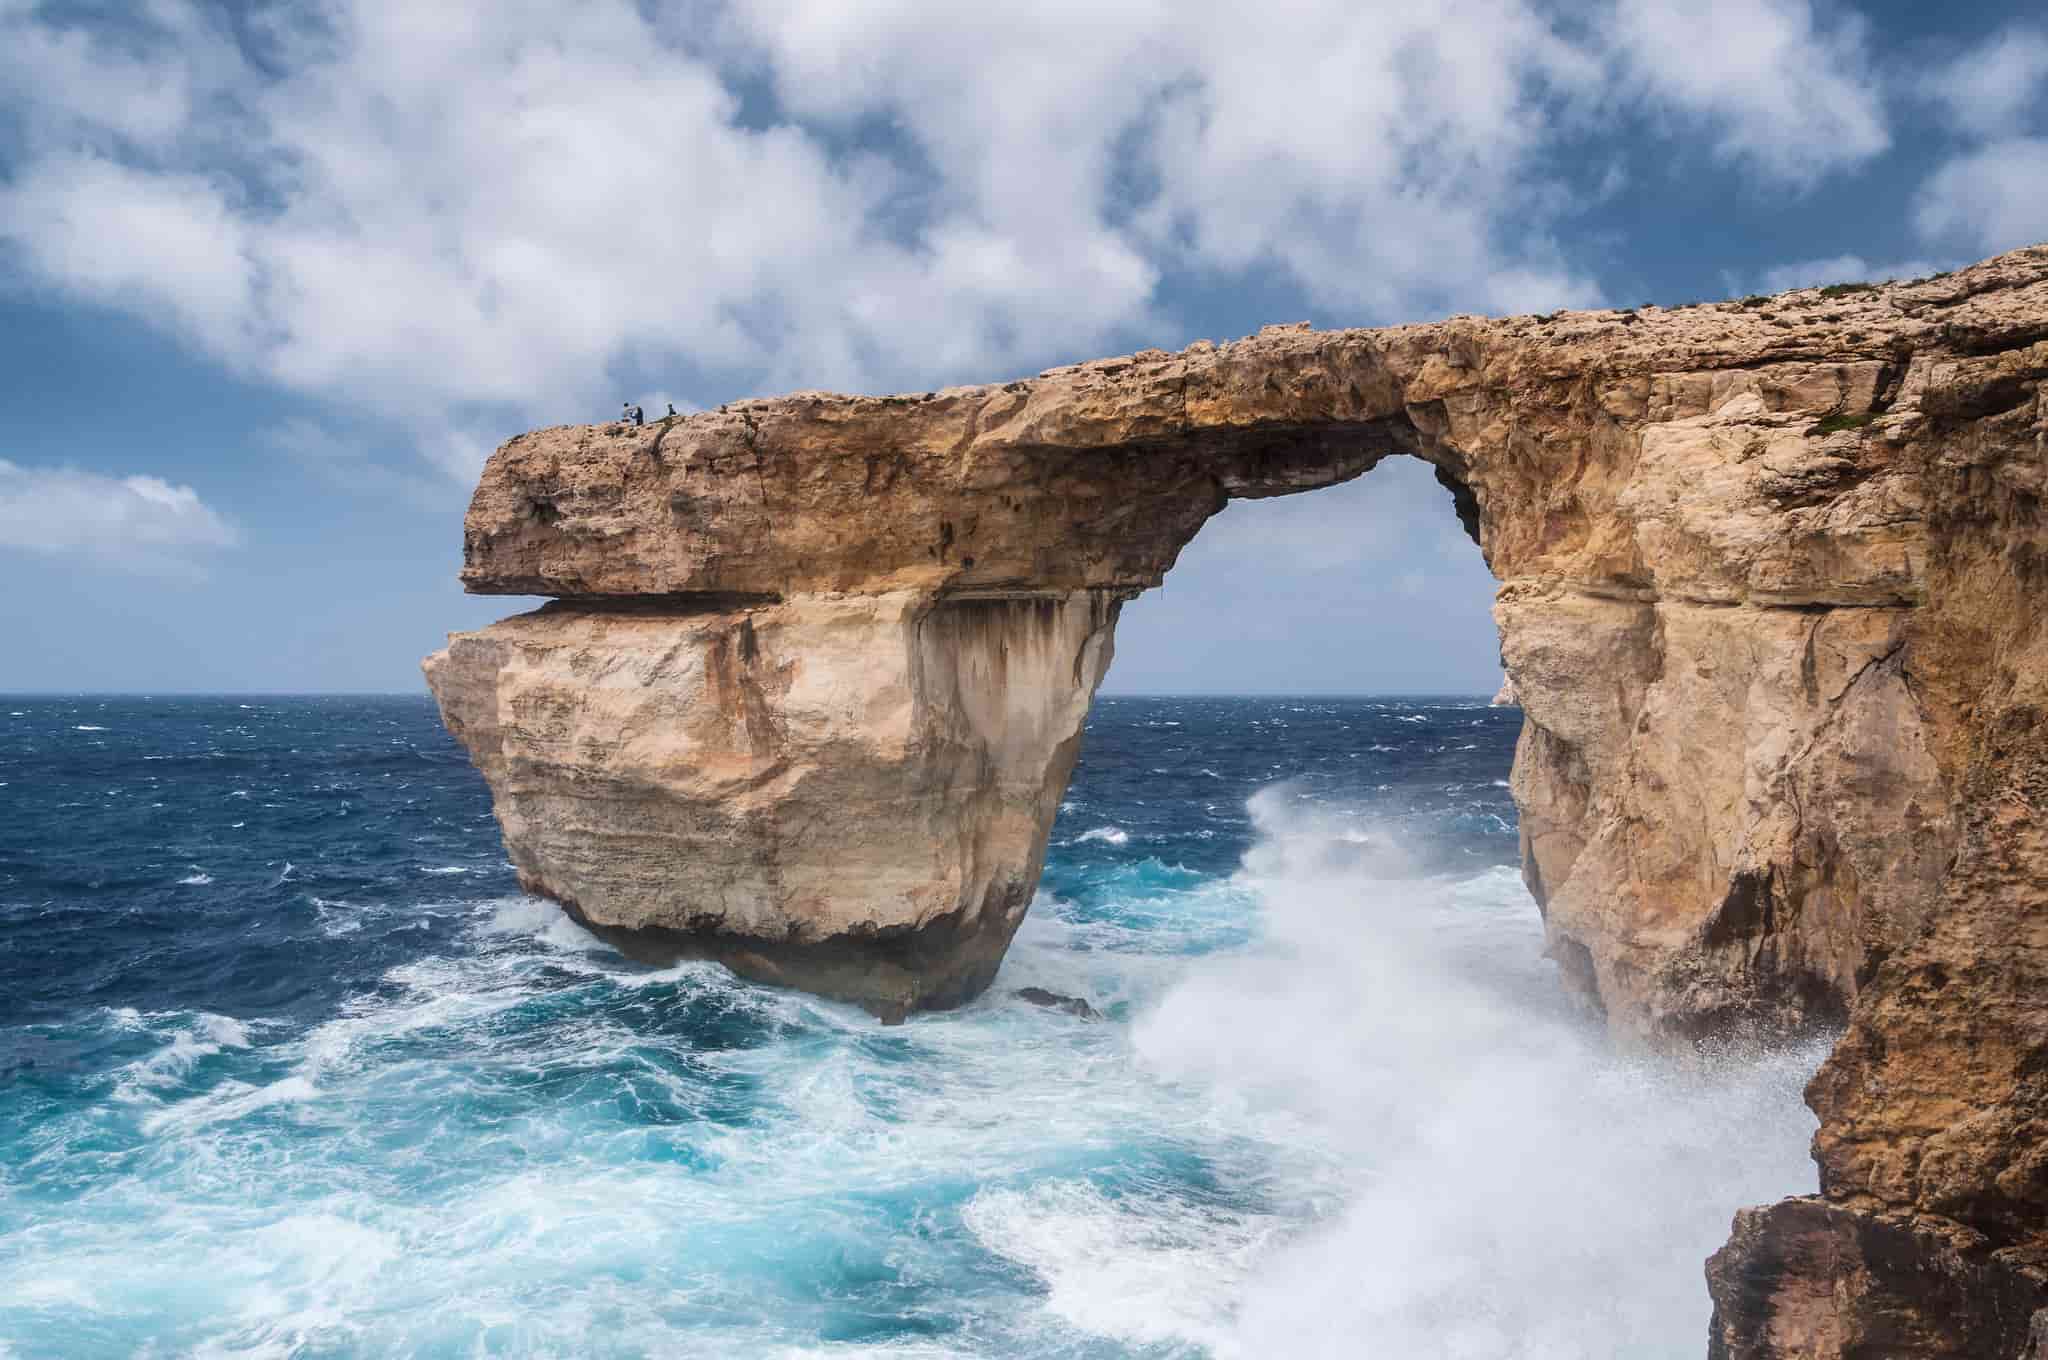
(1772, 585)
(1804, 1278)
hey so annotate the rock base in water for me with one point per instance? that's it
(1809, 1279)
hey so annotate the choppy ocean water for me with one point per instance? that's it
(288, 1067)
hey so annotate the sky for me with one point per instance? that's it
(276, 277)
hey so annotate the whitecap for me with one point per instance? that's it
(337, 918)
(539, 919)
(198, 878)
(204, 1035)
(1147, 1270)
(88, 727)
(230, 1100)
(446, 869)
(1111, 835)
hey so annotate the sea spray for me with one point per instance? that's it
(1511, 1185)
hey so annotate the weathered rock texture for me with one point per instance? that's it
(846, 793)
(1772, 576)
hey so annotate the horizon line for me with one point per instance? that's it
(422, 693)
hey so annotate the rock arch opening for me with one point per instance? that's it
(1371, 585)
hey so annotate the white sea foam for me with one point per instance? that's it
(88, 727)
(1112, 835)
(198, 878)
(1146, 1270)
(195, 1037)
(227, 1102)
(545, 923)
(447, 869)
(1373, 1131)
(1512, 1187)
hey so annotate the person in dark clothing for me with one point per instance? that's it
(638, 419)
(671, 410)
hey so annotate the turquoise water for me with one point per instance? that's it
(288, 1067)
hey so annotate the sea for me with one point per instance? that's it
(289, 1067)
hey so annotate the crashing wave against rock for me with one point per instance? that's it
(1772, 576)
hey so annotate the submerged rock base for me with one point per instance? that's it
(1804, 1278)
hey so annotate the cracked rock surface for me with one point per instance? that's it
(1772, 577)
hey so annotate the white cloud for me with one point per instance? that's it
(1783, 91)
(1991, 199)
(1375, 153)
(1993, 195)
(459, 218)
(169, 245)
(140, 523)
(1990, 89)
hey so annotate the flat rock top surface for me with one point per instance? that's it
(969, 487)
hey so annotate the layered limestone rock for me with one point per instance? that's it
(1930, 1237)
(849, 794)
(1771, 576)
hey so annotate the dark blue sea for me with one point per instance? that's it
(289, 1067)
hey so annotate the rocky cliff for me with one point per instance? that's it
(1771, 571)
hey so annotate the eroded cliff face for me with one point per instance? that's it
(1770, 574)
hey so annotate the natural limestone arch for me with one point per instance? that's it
(1771, 576)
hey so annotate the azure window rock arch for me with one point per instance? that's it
(1771, 578)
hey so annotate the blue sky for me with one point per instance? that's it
(277, 277)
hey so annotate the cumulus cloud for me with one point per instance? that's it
(1991, 89)
(141, 523)
(1782, 90)
(1993, 195)
(1990, 199)
(459, 218)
